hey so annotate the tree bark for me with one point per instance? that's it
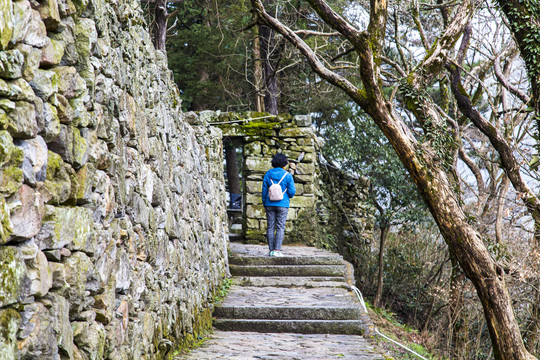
(233, 178)
(270, 58)
(385, 230)
(421, 160)
(160, 29)
(258, 72)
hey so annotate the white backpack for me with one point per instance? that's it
(274, 192)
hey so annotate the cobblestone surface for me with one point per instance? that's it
(262, 346)
(290, 300)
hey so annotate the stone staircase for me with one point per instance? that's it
(299, 306)
(306, 291)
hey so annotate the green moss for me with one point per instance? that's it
(12, 270)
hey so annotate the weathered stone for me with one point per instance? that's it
(81, 117)
(35, 159)
(254, 186)
(70, 83)
(64, 142)
(6, 227)
(61, 327)
(22, 121)
(66, 8)
(80, 149)
(64, 109)
(57, 187)
(45, 83)
(52, 53)
(40, 275)
(27, 209)
(32, 58)
(65, 226)
(16, 90)
(295, 132)
(40, 341)
(79, 272)
(86, 179)
(303, 201)
(58, 275)
(255, 212)
(122, 271)
(14, 282)
(89, 338)
(28, 27)
(11, 158)
(10, 321)
(48, 10)
(50, 127)
(302, 120)
(257, 165)
(6, 24)
(85, 38)
(11, 64)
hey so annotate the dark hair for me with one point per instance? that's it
(279, 160)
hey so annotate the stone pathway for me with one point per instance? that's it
(299, 306)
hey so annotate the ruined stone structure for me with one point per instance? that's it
(112, 203)
(330, 208)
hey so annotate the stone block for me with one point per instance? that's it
(11, 158)
(254, 224)
(254, 187)
(22, 120)
(16, 90)
(57, 187)
(70, 83)
(254, 199)
(6, 227)
(63, 107)
(11, 321)
(40, 275)
(27, 210)
(35, 159)
(6, 24)
(257, 165)
(302, 120)
(65, 226)
(303, 202)
(52, 53)
(305, 169)
(50, 14)
(32, 57)
(50, 122)
(15, 284)
(255, 212)
(11, 64)
(293, 132)
(28, 27)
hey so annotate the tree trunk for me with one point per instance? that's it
(160, 28)
(258, 72)
(424, 162)
(270, 58)
(385, 230)
(233, 177)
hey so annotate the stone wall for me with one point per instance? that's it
(330, 208)
(112, 207)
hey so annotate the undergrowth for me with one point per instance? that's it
(387, 323)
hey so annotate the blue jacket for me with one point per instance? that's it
(276, 174)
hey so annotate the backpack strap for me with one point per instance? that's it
(283, 177)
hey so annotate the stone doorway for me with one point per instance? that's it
(233, 151)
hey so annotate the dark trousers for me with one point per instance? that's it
(275, 227)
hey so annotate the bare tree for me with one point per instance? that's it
(430, 158)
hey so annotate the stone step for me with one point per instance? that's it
(287, 312)
(290, 281)
(285, 260)
(288, 270)
(350, 327)
(281, 303)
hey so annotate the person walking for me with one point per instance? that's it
(277, 190)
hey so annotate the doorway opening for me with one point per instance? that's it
(233, 148)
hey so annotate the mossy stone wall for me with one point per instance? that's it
(113, 234)
(329, 208)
